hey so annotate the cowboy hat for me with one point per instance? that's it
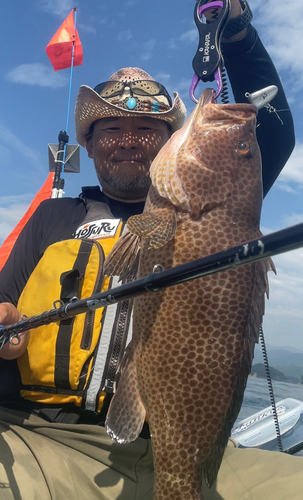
(149, 101)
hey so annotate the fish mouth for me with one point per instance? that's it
(226, 113)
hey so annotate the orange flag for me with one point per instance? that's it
(43, 194)
(59, 49)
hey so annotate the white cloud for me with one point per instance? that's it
(10, 139)
(12, 209)
(284, 313)
(172, 44)
(183, 86)
(36, 74)
(280, 27)
(102, 20)
(293, 170)
(147, 49)
(88, 29)
(163, 78)
(267, 230)
(286, 188)
(10, 216)
(189, 36)
(291, 263)
(57, 7)
(4, 154)
(292, 219)
(5, 201)
(125, 36)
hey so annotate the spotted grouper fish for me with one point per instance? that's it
(186, 367)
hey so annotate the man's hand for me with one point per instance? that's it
(9, 315)
(236, 10)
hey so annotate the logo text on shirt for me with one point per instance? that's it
(103, 228)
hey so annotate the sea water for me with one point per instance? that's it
(256, 397)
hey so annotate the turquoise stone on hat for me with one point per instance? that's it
(156, 107)
(131, 103)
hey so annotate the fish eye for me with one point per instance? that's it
(243, 149)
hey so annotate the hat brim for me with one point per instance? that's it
(90, 106)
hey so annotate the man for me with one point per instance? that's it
(53, 443)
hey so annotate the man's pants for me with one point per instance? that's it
(43, 461)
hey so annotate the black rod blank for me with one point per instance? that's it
(275, 243)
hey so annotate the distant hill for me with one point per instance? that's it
(258, 370)
(286, 348)
(285, 359)
(279, 357)
(295, 372)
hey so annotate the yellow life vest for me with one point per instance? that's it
(64, 361)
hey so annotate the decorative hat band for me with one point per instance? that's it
(129, 92)
(139, 95)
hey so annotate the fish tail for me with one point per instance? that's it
(126, 414)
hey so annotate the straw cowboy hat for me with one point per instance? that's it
(144, 97)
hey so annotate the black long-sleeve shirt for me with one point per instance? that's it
(249, 69)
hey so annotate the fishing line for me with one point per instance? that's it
(224, 93)
(270, 388)
(271, 109)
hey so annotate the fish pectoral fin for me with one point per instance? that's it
(265, 266)
(158, 226)
(123, 258)
(126, 414)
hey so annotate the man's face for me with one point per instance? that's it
(123, 150)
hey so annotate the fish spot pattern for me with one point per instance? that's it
(193, 343)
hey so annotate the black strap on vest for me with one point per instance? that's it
(66, 326)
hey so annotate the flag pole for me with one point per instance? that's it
(71, 73)
(64, 51)
(63, 138)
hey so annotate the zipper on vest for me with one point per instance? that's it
(89, 318)
(117, 347)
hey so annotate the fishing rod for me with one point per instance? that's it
(275, 243)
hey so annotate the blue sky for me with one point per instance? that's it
(160, 37)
